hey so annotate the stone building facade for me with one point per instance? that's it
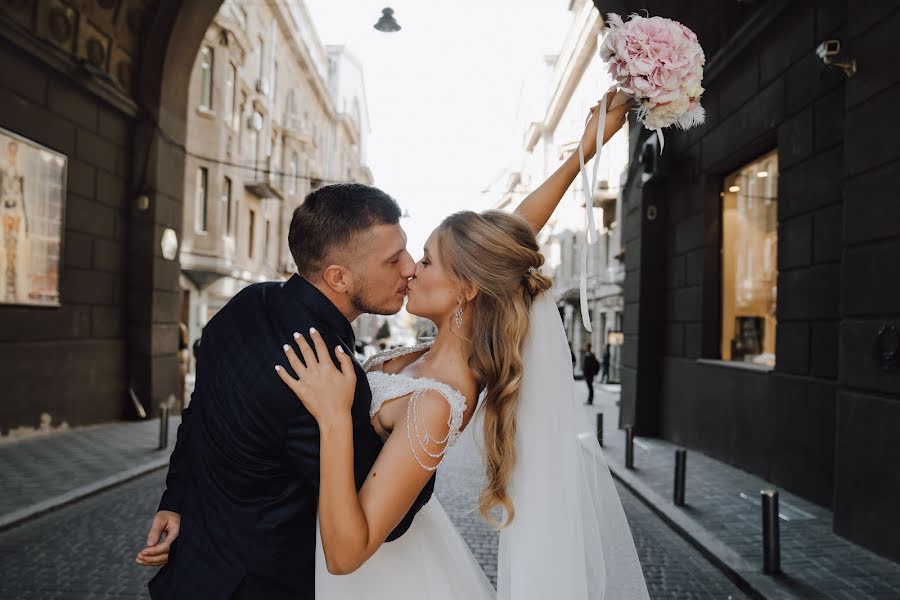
(273, 114)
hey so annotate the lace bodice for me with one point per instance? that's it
(388, 386)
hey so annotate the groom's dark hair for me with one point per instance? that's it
(331, 217)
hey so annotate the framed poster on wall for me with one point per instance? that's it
(32, 205)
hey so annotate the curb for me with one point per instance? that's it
(746, 576)
(17, 517)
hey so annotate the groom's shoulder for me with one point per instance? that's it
(255, 292)
(251, 300)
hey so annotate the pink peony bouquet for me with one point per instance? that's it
(659, 63)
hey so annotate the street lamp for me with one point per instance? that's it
(387, 23)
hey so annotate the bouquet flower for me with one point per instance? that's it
(659, 63)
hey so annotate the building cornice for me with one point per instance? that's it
(576, 55)
(93, 80)
(301, 36)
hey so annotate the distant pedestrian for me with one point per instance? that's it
(605, 377)
(589, 367)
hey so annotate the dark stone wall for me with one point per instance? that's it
(825, 422)
(70, 361)
(867, 480)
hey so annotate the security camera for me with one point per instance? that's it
(828, 48)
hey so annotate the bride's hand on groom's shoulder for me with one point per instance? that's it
(325, 390)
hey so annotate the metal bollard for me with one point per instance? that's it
(600, 429)
(629, 446)
(680, 472)
(138, 407)
(163, 426)
(771, 532)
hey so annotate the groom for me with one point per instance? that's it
(239, 510)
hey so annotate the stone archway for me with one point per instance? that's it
(158, 167)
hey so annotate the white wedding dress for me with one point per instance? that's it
(569, 539)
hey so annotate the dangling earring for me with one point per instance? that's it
(458, 316)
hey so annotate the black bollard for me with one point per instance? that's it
(600, 429)
(629, 446)
(163, 426)
(771, 532)
(680, 472)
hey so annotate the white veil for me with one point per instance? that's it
(569, 539)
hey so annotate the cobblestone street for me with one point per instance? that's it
(85, 550)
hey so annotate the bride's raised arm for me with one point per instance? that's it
(537, 207)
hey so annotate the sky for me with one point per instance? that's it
(449, 96)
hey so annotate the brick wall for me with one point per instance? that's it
(70, 361)
(867, 480)
(825, 421)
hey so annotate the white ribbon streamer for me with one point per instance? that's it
(593, 233)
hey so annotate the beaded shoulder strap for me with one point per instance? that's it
(387, 386)
(373, 362)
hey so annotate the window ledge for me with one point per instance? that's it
(733, 364)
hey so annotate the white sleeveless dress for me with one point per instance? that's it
(431, 561)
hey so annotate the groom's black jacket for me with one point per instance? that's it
(244, 474)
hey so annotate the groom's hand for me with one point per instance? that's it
(156, 553)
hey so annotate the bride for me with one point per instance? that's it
(501, 350)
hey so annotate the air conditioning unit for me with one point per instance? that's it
(262, 86)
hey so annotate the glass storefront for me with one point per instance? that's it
(749, 262)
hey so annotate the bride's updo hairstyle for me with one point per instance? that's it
(496, 252)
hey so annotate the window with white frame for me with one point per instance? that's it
(231, 96)
(262, 58)
(239, 121)
(292, 174)
(274, 80)
(750, 262)
(251, 233)
(206, 77)
(202, 211)
(229, 207)
(254, 148)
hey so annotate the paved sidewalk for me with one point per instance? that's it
(45, 472)
(722, 517)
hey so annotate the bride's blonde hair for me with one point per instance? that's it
(497, 253)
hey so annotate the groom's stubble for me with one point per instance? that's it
(362, 301)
